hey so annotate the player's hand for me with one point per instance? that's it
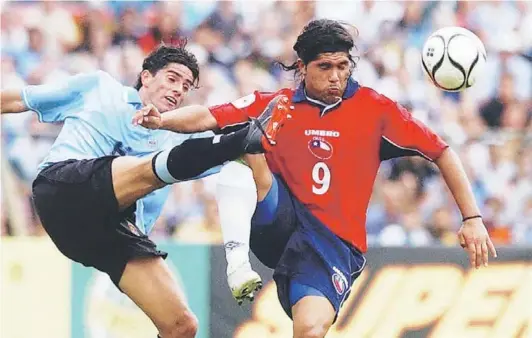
(475, 240)
(148, 117)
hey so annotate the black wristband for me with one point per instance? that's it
(471, 217)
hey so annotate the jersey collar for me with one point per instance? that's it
(300, 96)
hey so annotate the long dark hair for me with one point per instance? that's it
(322, 36)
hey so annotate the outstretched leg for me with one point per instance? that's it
(148, 281)
(134, 178)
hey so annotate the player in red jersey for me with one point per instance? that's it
(313, 189)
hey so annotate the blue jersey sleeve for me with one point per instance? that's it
(55, 102)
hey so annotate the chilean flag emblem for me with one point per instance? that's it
(320, 148)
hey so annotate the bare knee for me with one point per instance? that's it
(310, 329)
(151, 285)
(309, 322)
(185, 326)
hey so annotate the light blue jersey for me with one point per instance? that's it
(97, 110)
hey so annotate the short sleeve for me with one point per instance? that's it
(56, 101)
(238, 112)
(406, 134)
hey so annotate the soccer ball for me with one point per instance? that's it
(453, 58)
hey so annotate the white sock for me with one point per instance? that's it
(236, 195)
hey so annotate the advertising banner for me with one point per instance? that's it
(34, 289)
(99, 310)
(404, 292)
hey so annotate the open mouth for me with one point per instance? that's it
(171, 100)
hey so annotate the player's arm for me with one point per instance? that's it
(190, 119)
(197, 118)
(407, 133)
(456, 179)
(52, 102)
(232, 115)
(11, 102)
(473, 235)
(185, 120)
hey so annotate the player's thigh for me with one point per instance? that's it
(317, 258)
(272, 224)
(78, 209)
(74, 200)
(262, 174)
(152, 286)
(309, 322)
(133, 178)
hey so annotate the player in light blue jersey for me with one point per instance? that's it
(104, 182)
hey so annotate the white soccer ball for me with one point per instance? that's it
(453, 58)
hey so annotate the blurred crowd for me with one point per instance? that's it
(237, 44)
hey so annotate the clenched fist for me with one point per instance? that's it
(148, 117)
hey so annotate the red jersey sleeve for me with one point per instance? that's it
(407, 134)
(239, 111)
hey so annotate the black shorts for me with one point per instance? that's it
(78, 209)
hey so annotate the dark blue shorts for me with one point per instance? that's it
(307, 257)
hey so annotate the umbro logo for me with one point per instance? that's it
(232, 245)
(329, 133)
(339, 281)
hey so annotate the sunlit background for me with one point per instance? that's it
(236, 43)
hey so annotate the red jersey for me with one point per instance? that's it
(329, 155)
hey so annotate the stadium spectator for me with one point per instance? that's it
(490, 125)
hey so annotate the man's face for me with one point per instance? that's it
(168, 87)
(326, 76)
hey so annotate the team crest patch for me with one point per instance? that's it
(339, 284)
(339, 281)
(320, 148)
(133, 228)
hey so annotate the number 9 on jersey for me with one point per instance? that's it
(321, 177)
